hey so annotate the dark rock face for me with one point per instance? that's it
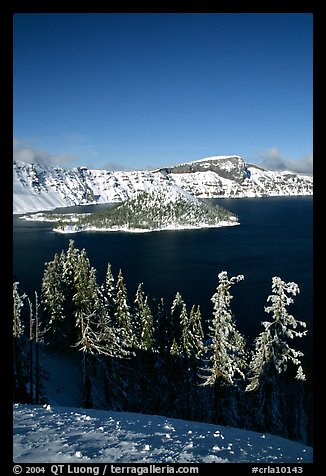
(232, 168)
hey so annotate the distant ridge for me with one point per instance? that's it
(37, 187)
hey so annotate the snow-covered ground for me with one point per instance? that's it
(45, 434)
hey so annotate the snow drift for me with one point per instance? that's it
(73, 435)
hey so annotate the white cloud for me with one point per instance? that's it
(24, 153)
(272, 159)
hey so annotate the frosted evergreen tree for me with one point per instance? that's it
(18, 304)
(86, 294)
(20, 365)
(147, 341)
(192, 333)
(108, 292)
(270, 362)
(53, 300)
(70, 263)
(192, 350)
(90, 346)
(162, 328)
(104, 305)
(69, 292)
(143, 320)
(185, 335)
(138, 310)
(227, 346)
(101, 343)
(123, 317)
(70, 268)
(175, 349)
(98, 339)
(177, 308)
(271, 346)
(227, 355)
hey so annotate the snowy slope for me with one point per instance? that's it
(66, 435)
(37, 187)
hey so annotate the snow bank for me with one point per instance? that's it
(71, 435)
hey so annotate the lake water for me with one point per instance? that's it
(274, 239)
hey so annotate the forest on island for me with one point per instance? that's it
(150, 210)
(142, 355)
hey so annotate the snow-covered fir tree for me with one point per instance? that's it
(86, 292)
(143, 321)
(161, 325)
(178, 307)
(175, 349)
(191, 351)
(269, 366)
(108, 292)
(110, 336)
(192, 333)
(20, 360)
(18, 304)
(123, 317)
(227, 355)
(184, 325)
(271, 346)
(53, 300)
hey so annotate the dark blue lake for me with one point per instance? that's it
(274, 239)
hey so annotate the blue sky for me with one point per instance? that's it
(134, 91)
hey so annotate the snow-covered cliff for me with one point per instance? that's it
(37, 187)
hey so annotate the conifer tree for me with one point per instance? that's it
(18, 303)
(20, 365)
(53, 300)
(86, 296)
(108, 293)
(143, 321)
(227, 355)
(192, 333)
(270, 362)
(98, 339)
(192, 350)
(271, 346)
(137, 311)
(227, 346)
(123, 316)
(69, 292)
(177, 308)
(175, 349)
(162, 329)
(147, 340)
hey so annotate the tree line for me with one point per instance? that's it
(143, 356)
